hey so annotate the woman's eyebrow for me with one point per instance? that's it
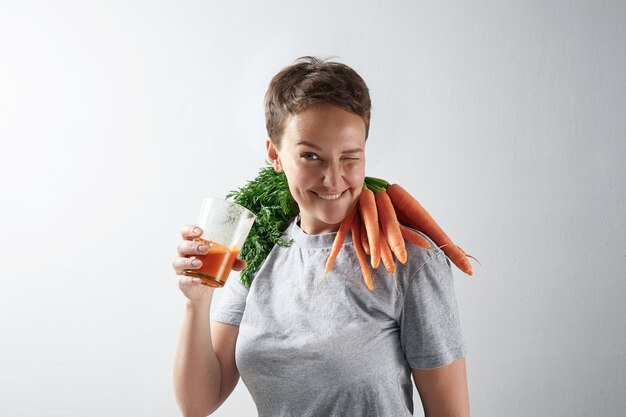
(314, 146)
(309, 144)
(353, 150)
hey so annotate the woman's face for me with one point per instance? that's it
(322, 153)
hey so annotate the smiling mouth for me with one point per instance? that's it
(328, 196)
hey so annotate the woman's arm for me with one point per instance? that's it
(205, 372)
(443, 390)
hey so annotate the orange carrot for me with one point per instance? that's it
(385, 253)
(405, 220)
(369, 217)
(415, 238)
(412, 209)
(356, 239)
(364, 242)
(391, 227)
(345, 225)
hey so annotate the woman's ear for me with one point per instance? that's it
(272, 155)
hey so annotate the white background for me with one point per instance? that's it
(506, 119)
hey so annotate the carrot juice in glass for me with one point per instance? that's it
(225, 226)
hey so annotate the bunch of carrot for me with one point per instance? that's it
(378, 224)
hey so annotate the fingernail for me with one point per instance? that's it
(196, 262)
(203, 248)
(196, 231)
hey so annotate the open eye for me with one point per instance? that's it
(309, 156)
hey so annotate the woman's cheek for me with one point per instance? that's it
(305, 174)
(357, 174)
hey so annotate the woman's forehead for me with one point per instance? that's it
(325, 127)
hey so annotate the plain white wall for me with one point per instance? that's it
(506, 119)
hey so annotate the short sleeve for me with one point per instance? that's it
(232, 303)
(429, 323)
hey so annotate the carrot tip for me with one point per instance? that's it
(403, 257)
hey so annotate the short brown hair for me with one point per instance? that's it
(314, 81)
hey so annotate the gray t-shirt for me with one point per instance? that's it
(310, 345)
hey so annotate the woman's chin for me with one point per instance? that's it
(333, 217)
(321, 222)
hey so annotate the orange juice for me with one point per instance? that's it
(216, 264)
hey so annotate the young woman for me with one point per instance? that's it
(311, 346)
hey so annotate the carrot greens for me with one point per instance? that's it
(268, 197)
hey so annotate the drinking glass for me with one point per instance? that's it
(225, 227)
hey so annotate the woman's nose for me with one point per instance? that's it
(332, 177)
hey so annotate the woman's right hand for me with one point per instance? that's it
(192, 287)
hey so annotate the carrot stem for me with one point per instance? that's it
(376, 184)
